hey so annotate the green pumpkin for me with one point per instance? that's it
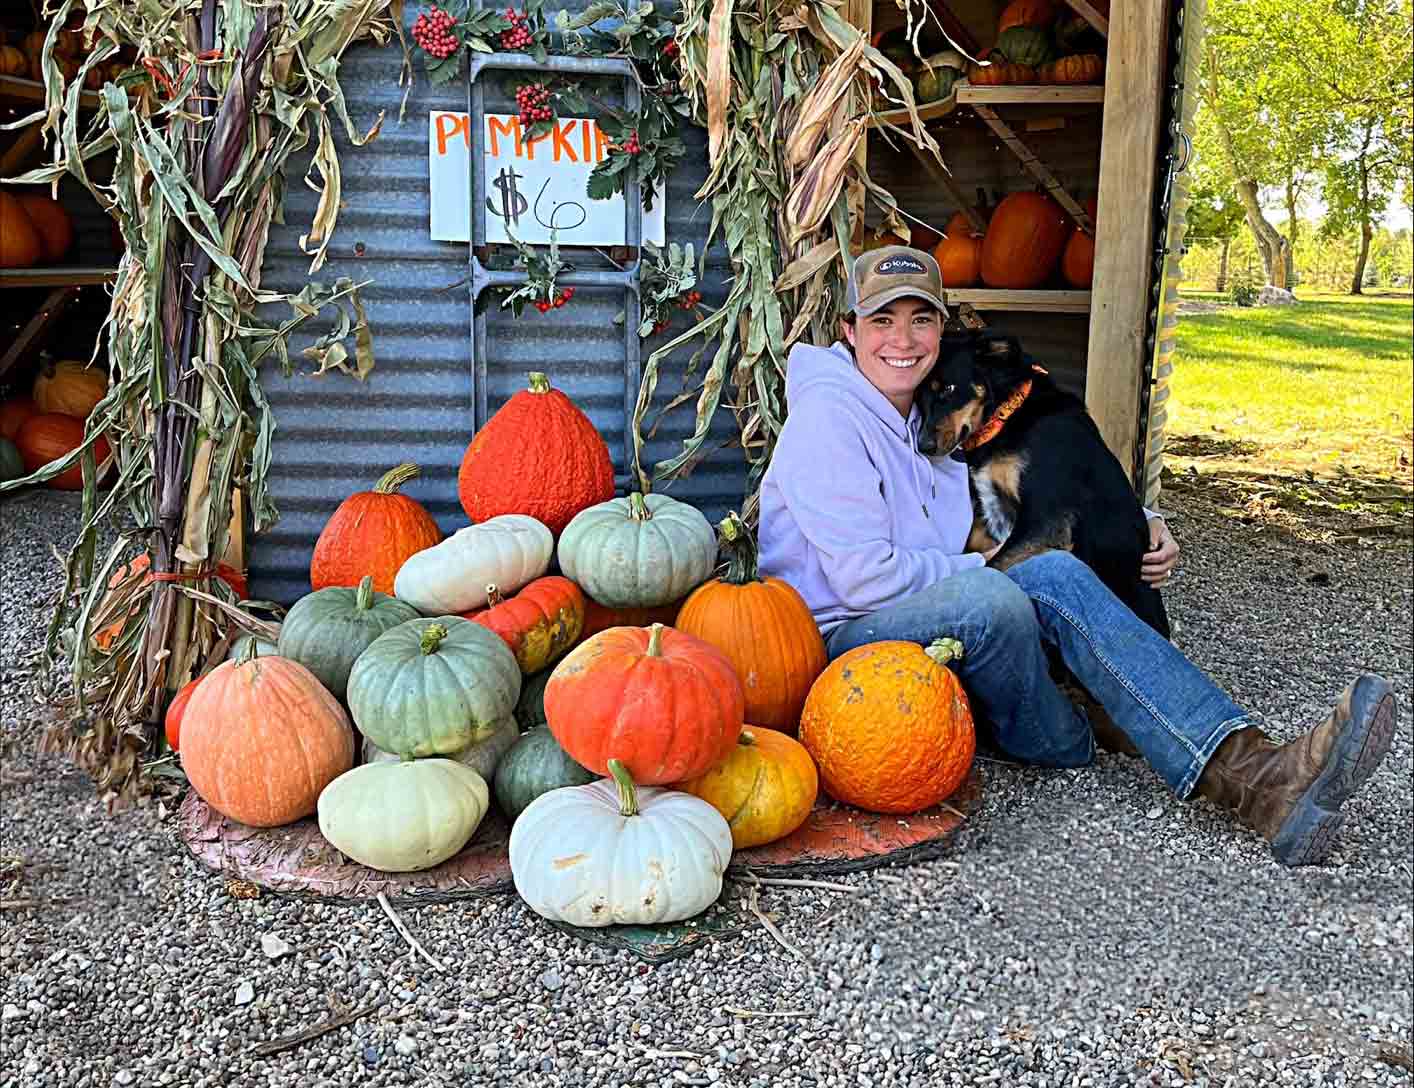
(1025, 45)
(638, 552)
(936, 78)
(12, 465)
(403, 817)
(263, 646)
(482, 756)
(530, 708)
(430, 687)
(327, 630)
(534, 766)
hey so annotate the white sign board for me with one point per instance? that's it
(533, 185)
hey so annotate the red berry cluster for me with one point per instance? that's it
(518, 36)
(433, 32)
(631, 146)
(691, 299)
(659, 326)
(533, 100)
(560, 299)
(670, 48)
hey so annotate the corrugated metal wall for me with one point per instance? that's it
(336, 435)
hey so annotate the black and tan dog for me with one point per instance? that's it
(1042, 475)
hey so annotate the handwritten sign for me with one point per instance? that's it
(531, 185)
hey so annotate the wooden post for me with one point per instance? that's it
(1116, 363)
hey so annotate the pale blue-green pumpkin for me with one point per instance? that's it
(327, 630)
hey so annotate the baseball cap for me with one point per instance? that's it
(885, 275)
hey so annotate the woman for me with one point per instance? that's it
(872, 534)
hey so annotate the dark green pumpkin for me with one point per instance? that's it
(327, 630)
(530, 708)
(1025, 45)
(535, 765)
(12, 466)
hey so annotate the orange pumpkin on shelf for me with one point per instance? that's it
(20, 243)
(373, 532)
(56, 229)
(763, 627)
(50, 436)
(1024, 241)
(13, 62)
(1078, 261)
(1079, 68)
(539, 623)
(538, 455)
(1000, 72)
(13, 413)
(69, 387)
(1034, 13)
(261, 738)
(959, 258)
(889, 726)
(664, 703)
(600, 617)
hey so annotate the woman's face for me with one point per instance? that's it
(896, 347)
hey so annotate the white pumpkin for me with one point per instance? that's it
(611, 854)
(405, 816)
(482, 756)
(508, 551)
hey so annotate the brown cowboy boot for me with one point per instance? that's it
(1291, 793)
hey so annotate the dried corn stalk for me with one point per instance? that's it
(229, 90)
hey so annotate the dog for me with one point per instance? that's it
(1042, 476)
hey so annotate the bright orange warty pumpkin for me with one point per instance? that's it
(1037, 13)
(20, 243)
(763, 627)
(56, 229)
(1078, 260)
(140, 565)
(959, 258)
(600, 617)
(48, 437)
(538, 455)
(261, 737)
(666, 704)
(172, 723)
(1024, 241)
(889, 726)
(764, 790)
(373, 532)
(539, 623)
(69, 387)
(13, 413)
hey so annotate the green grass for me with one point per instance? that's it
(1325, 386)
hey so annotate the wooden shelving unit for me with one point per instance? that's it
(78, 276)
(1016, 95)
(28, 92)
(1046, 302)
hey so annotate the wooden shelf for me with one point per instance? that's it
(56, 277)
(1019, 94)
(17, 91)
(1048, 302)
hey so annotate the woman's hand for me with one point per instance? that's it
(1162, 555)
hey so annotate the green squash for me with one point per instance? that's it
(482, 756)
(430, 687)
(12, 465)
(403, 817)
(1025, 45)
(263, 646)
(327, 630)
(534, 766)
(530, 708)
(638, 552)
(936, 78)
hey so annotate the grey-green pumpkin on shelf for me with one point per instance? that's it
(938, 74)
(535, 765)
(326, 630)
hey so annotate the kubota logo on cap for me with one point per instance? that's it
(901, 265)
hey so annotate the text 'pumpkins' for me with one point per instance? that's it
(889, 726)
(538, 455)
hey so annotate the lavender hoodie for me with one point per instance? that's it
(852, 515)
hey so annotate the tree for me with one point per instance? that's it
(1214, 214)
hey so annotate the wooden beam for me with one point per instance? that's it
(1031, 94)
(948, 182)
(1117, 365)
(48, 313)
(1040, 301)
(56, 277)
(1091, 15)
(1036, 168)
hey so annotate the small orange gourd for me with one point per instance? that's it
(373, 532)
(20, 243)
(56, 229)
(765, 789)
(1078, 68)
(1000, 72)
(1078, 260)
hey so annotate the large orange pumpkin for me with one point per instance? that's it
(69, 387)
(50, 436)
(664, 703)
(763, 627)
(959, 258)
(373, 532)
(538, 455)
(20, 243)
(56, 229)
(539, 623)
(1036, 13)
(141, 565)
(889, 726)
(261, 738)
(13, 413)
(1024, 241)
(600, 617)
(1078, 260)
(765, 789)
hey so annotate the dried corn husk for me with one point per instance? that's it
(821, 106)
(816, 190)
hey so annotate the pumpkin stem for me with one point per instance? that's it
(539, 383)
(394, 478)
(251, 650)
(945, 650)
(493, 596)
(655, 640)
(432, 637)
(628, 793)
(364, 600)
(747, 739)
(736, 541)
(638, 507)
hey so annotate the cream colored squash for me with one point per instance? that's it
(482, 756)
(507, 551)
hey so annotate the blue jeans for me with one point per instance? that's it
(1173, 713)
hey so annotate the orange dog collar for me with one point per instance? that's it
(993, 426)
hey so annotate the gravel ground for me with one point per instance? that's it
(1088, 930)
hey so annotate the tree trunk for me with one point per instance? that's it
(1293, 227)
(1367, 231)
(1222, 266)
(1272, 246)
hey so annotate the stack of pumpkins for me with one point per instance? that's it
(632, 716)
(24, 58)
(1026, 240)
(35, 230)
(1041, 41)
(49, 424)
